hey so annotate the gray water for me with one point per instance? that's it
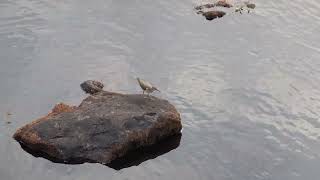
(247, 86)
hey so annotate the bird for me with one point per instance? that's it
(146, 86)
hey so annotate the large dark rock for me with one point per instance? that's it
(104, 127)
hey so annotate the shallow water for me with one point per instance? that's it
(247, 86)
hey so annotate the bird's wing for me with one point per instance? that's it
(147, 84)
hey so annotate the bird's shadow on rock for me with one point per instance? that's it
(132, 158)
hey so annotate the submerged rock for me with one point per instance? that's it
(221, 3)
(204, 6)
(210, 15)
(246, 6)
(103, 128)
(209, 10)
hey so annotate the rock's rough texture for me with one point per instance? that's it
(91, 86)
(102, 128)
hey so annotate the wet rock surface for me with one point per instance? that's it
(104, 127)
(210, 15)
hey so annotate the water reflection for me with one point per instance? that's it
(135, 158)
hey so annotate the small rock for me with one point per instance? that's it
(223, 3)
(204, 6)
(210, 15)
(251, 5)
(91, 86)
(239, 9)
(208, 5)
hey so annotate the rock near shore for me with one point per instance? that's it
(104, 127)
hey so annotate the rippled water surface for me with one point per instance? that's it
(247, 86)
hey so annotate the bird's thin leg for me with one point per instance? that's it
(143, 92)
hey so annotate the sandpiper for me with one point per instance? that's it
(146, 86)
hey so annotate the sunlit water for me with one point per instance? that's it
(247, 86)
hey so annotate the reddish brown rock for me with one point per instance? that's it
(102, 128)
